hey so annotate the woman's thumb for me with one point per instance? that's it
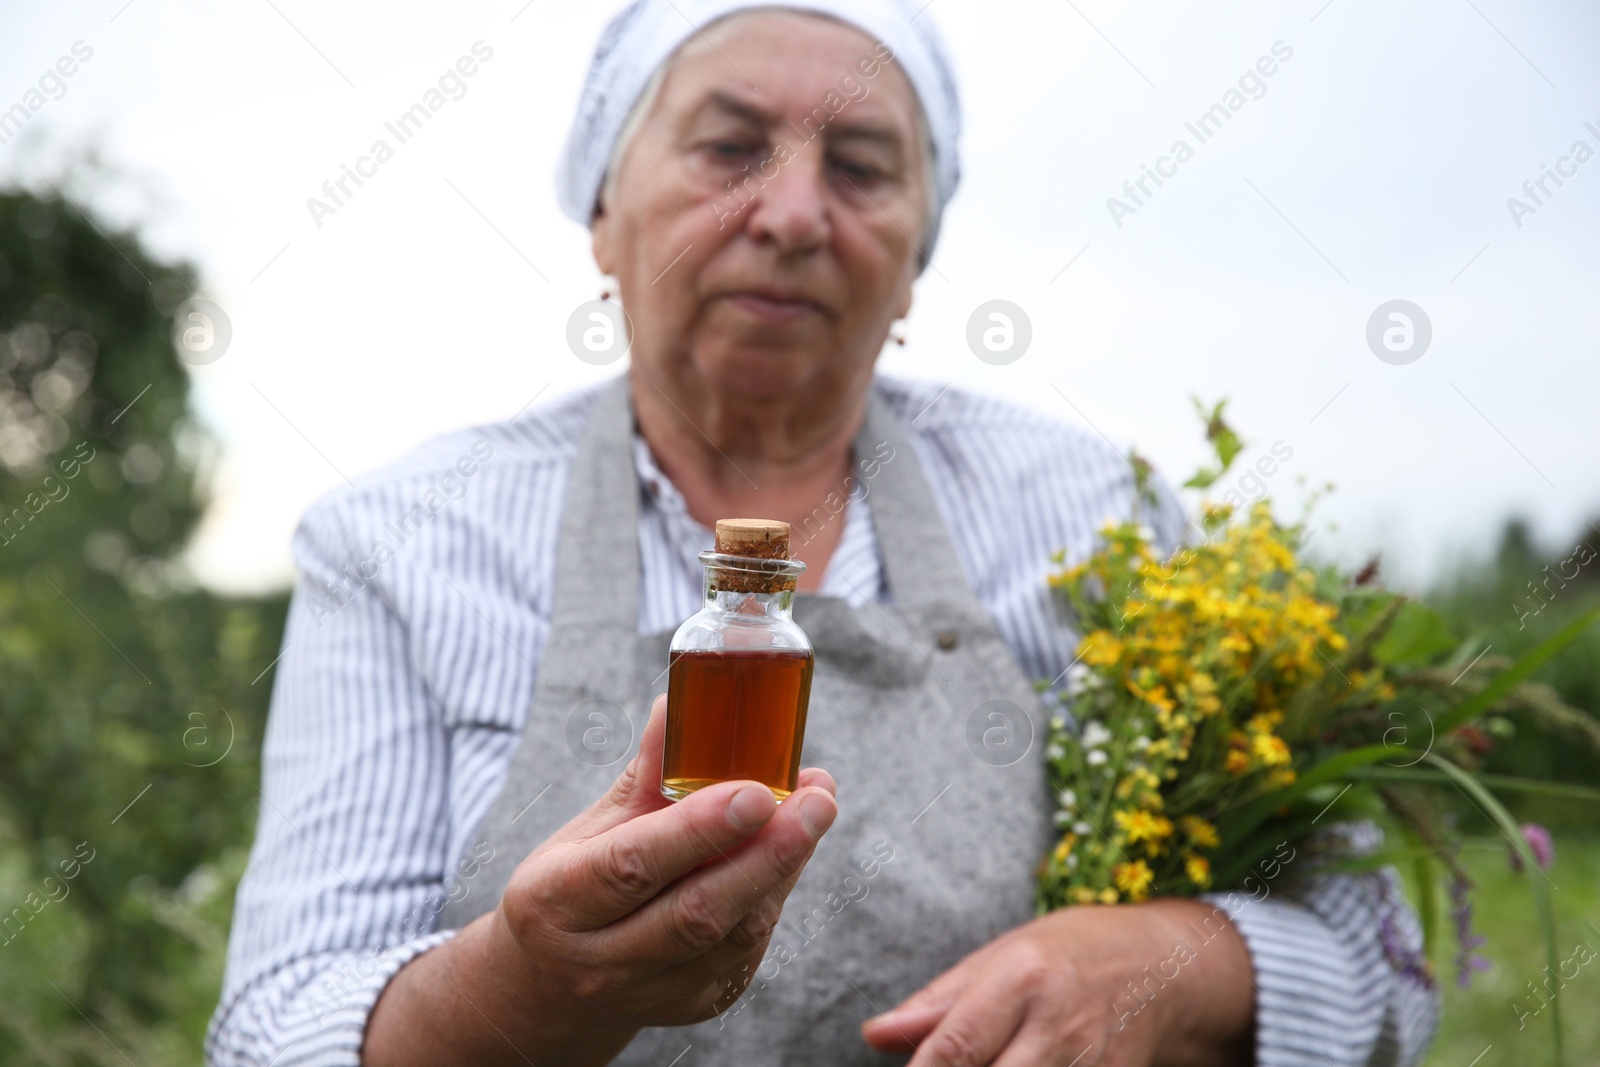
(637, 789)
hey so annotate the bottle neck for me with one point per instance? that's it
(751, 587)
(779, 605)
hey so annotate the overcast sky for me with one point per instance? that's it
(1374, 164)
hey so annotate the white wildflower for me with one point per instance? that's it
(1095, 734)
(1096, 757)
(1077, 674)
(1082, 828)
(1054, 751)
(1068, 798)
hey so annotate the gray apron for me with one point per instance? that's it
(917, 709)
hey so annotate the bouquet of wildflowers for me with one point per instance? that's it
(1232, 698)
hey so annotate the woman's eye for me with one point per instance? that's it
(858, 172)
(731, 149)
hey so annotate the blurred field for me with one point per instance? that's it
(1484, 1016)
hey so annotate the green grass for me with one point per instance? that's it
(1485, 1016)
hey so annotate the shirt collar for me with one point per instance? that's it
(855, 574)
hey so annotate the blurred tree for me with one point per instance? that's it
(130, 711)
(1524, 593)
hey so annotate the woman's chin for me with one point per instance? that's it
(760, 373)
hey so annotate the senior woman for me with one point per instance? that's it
(449, 867)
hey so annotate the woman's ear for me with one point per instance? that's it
(600, 238)
(904, 307)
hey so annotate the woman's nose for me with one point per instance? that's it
(791, 208)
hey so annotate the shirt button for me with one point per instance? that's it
(947, 639)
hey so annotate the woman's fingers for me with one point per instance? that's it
(699, 911)
(818, 777)
(636, 791)
(1037, 1046)
(976, 1029)
(741, 951)
(674, 881)
(594, 882)
(902, 1027)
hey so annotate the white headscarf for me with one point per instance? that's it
(644, 34)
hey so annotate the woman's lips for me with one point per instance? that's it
(772, 309)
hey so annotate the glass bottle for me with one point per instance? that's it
(739, 670)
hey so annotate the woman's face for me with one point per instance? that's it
(764, 222)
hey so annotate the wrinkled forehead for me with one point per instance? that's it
(913, 80)
(776, 64)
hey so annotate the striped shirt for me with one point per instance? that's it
(411, 655)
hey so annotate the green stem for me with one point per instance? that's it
(1496, 813)
(1517, 673)
(1498, 782)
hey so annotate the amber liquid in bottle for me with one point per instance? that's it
(735, 714)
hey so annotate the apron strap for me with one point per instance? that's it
(596, 603)
(918, 558)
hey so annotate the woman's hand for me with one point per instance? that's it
(1164, 982)
(651, 913)
(639, 912)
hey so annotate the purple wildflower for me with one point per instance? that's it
(1405, 958)
(1467, 960)
(1539, 843)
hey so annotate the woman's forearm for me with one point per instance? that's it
(1199, 987)
(474, 1000)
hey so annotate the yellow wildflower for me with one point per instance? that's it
(1237, 762)
(1133, 878)
(1100, 649)
(1264, 722)
(1198, 868)
(1234, 641)
(1143, 826)
(1200, 832)
(1157, 696)
(1065, 847)
(1270, 749)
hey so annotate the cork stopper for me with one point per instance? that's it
(754, 539)
(761, 538)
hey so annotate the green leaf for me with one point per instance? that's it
(1228, 447)
(1518, 672)
(1245, 851)
(1500, 782)
(1247, 818)
(1427, 903)
(1418, 636)
(1224, 442)
(1497, 814)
